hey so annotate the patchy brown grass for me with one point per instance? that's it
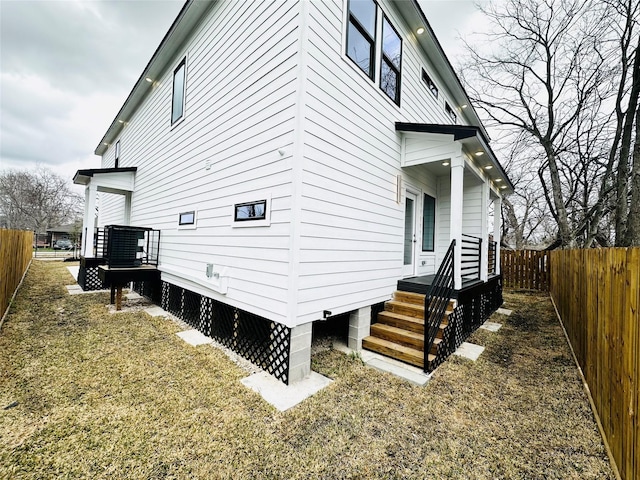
(108, 396)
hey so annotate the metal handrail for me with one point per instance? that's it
(436, 301)
(471, 254)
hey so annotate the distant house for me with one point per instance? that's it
(303, 160)
(72, 232)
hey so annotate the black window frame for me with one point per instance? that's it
(353, 20)
(431, 85)
(116, 160)
(432, 223)
(193, 218)
(247, 204)
(183, 65)
(450, 112)
(385, 60)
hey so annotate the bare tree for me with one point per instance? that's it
(549, 73)
(36, 200)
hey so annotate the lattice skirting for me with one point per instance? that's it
(88, 278)
(473, 309)
(261, 341)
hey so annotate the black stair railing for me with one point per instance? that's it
(436, 301)
(471, 249)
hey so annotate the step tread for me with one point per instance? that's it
(409, 297)
(404, 337)
(397, 351)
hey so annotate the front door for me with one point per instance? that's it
(410, 208)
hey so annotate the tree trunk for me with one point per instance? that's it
(565, 232)
(632, 236)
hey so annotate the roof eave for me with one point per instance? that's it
(189, 16)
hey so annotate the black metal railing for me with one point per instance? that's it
(126, 246)
(492, 257)
(471, 254)
(436, 301)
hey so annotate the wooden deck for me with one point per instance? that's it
(422, 283)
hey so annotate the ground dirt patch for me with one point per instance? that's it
(95, 395)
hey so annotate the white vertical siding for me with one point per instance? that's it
(239, 113)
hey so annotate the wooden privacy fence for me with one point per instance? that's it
(597, 293)
(526, 269)
(16, 250)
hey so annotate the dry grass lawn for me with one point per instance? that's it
(121, 396)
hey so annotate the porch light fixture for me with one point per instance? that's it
(148, 79)
(498, 179)
(464, 106)
(445, 163)
(503, 187)
(121, 121)
(105, 144)
(488, 167)
(479, 153)
(420, 30)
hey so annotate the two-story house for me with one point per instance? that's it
(304, 159)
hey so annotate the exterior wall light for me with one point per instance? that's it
(445, 163)
(420, 31)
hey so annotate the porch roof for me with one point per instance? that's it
(109, 180)
(475, 140)
(83, 177)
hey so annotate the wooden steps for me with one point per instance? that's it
(399, 331)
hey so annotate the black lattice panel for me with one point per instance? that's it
(88, 279)
(261, 341)
(191, 309)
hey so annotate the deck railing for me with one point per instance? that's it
(436, 301)
(471, 253)
(492, 257)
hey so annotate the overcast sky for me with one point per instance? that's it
(66, 68)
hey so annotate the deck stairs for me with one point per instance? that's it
(399, 330)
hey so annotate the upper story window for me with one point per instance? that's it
(449, 110)
(429, 83)
(361, 34)
(391, 59)
(177, 103)
(117, 155)
(375, 46)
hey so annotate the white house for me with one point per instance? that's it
(300, 158)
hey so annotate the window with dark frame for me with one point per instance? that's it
(449, 110)
(430, 83)
(361, 34)
(428, 223)
(248, 211)
(187, 218)
(177, 103)
(117, 155)
(391, 61)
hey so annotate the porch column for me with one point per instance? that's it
(497, 219)
(455, 227)
(484, 251)
(88, 223)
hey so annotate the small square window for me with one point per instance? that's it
(187, 218)
(429, 83)
(449, 110)
(244, 212)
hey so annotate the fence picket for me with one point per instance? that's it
(16, 250)
(597, 293)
